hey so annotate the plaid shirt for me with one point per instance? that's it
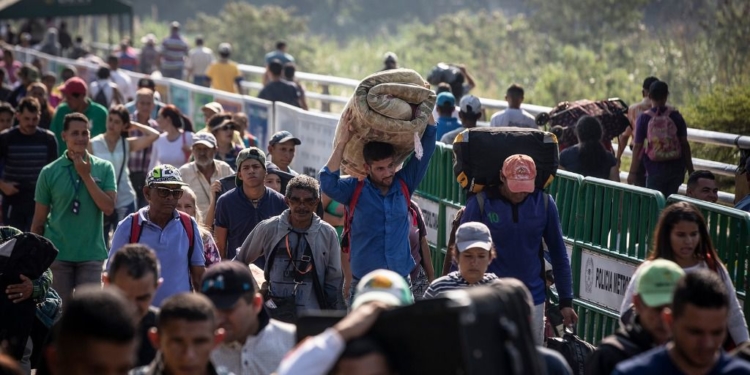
(139, 160)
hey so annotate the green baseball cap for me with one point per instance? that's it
(384, 286)
(657, 281)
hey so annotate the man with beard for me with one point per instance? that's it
(303, 257)
(380, 227)
(204, 170)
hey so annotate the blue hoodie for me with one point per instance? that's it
(517, 232)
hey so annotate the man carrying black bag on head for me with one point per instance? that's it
(303, 257)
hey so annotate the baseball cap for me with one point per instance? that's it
(470, 104)
(657, 281)
(175, 25)
(658, 89)
(164, 174)
(520, 172)
(204, 138)
(225, 48)
(214, 106)
(74, 85)
(446, 98)
(225, 282)
(390, 56)
(249, 153)
(283, 136)
(384, 286)
(473, 234)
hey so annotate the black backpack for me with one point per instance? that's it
(573, 348)
(25, 254)
(101, 98)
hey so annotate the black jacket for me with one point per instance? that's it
(626, 343)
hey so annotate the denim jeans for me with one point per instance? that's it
(667, 182)
(67, 276)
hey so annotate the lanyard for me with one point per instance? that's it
(76, 183)
(305, 259)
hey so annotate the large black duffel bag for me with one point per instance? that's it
(479, 154)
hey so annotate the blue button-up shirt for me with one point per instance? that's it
(380, 227)
(171, 247)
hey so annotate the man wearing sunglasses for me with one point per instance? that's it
(302, 253)
(76, 101)
(162, 229)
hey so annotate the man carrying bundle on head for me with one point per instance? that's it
(379, 231)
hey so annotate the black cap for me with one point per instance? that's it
(658, 89)
(147, 83)
(283, 136)
(225, 282)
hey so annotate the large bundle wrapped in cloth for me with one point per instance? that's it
(392, 106)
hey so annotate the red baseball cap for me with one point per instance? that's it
(74, 85)
(520, 173)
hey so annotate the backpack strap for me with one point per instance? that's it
(135, 228)
(349, 217)
(187, 223)
(480, 202)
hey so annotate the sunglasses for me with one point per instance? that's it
(223, 127)
(307, 201)
(163, 192)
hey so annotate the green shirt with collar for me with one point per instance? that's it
(78, 237)
(95, 112)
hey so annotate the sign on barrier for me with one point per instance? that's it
(431, 215)
(604, 280)
(314, 130)
(260, 118)
(450, 213)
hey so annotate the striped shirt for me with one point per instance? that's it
(174, 50)
(23, 157)
(452, 281)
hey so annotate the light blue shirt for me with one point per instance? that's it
(744, 204)
(171, 246)
(380, 228)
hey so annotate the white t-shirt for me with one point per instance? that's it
(513, 117)
(119, 159)
(105, 85)
(166, 152)
(199, 59)
(124, 83)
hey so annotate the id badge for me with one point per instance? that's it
(76, 207)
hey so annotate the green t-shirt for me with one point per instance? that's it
(78, 237)
(96, 114)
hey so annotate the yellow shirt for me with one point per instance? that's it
(223, 75)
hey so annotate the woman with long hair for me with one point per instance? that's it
(681, 235)
(174, 145)
(589, 157)
(115, 146)
(38, 91)
(187, 205)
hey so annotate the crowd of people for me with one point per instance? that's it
(213, 251)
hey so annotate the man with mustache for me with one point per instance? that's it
(302, 253)
(204, 170)
(160, 226)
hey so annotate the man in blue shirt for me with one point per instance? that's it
(698, 322)
(161, 228)
(446, 105)
(239, 210)
(380, 227)
(519, 219)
